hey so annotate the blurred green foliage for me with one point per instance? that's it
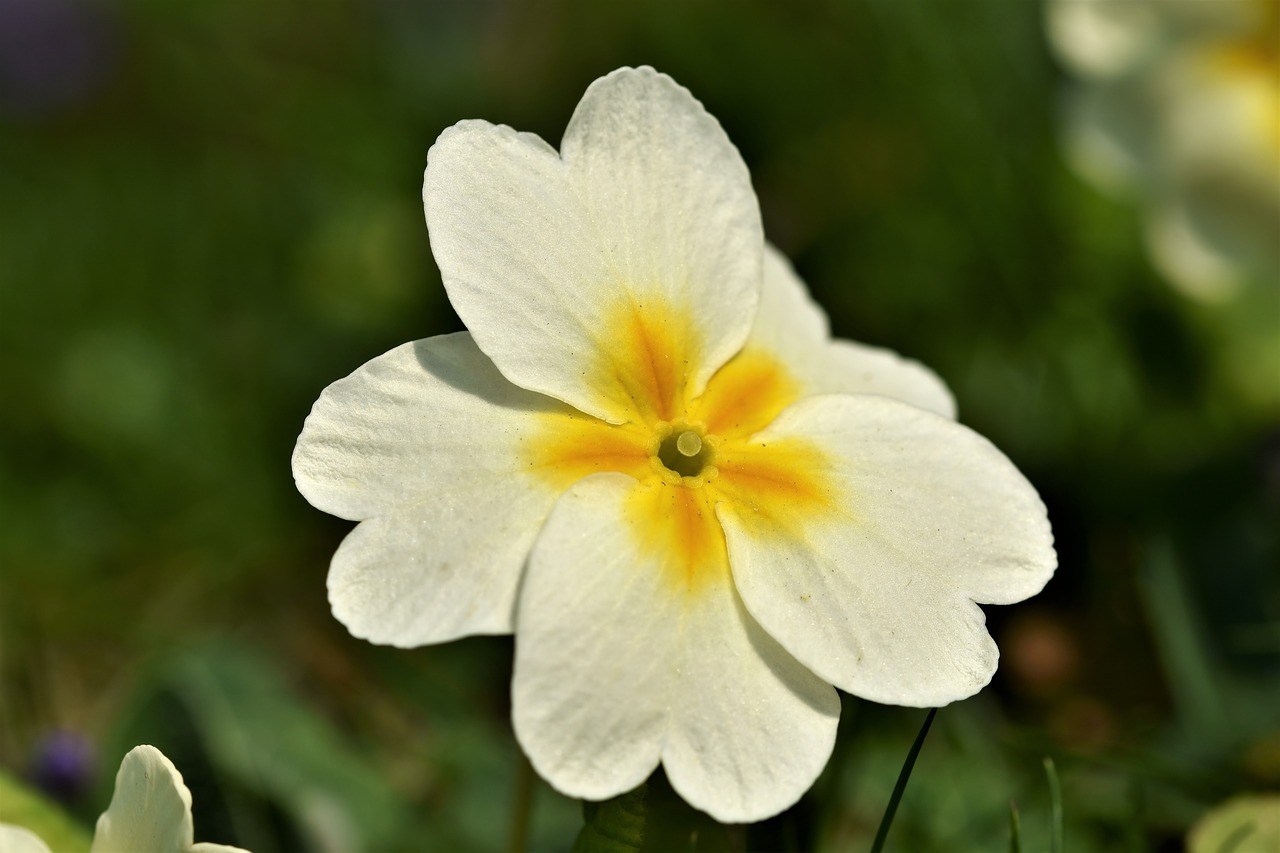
(211, 210)
(23, 807)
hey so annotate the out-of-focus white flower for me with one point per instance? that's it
(1179, 100)
(150, 812)
(16, 839)
(649, 459)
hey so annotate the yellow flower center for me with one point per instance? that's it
(688, 454)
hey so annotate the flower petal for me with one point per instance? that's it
(425, 442)
(1103, 38)
(621, 663)
(877, 595)
(632, 263)
(409, 423)
(150, 809)
(672, 201)
(792, 326)
(16, 839)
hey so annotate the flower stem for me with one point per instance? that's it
(901, 786)
(1055, 805)
(521, 807)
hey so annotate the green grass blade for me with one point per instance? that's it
(522, 808)
(896, 796)
(1015, 829)
(1182, 642)
(1055, 806)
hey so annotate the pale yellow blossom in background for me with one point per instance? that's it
(1177, 102)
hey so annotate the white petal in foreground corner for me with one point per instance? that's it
(879, 598)
(422, 444)
(648, 209)
(15, 839)
(632, 652)
(150, 810)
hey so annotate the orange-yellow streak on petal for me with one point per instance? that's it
(679, 528)
(648, 353)
(745, 395)
(569, 447)
(783, 483)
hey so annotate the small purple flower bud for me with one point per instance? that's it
(62, 765)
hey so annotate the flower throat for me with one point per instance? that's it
(684, 450)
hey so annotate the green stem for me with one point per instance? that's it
(1056, 839)
(1015, 829)
(522, 807)
(901, 786)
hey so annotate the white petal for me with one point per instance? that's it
(424, 441)
(792, 327)
(1109, 38)
(424, 417)
(1217, 212)
(618, 667)
(877, 596)
(672, 200)
(1183, 255)
(1101, 38)
(650, 212)
(15, 839)
(150, 809)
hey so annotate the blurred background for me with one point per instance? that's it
(210, 210)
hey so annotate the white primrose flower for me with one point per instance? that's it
(648, 459)
(150, 812)
(1180, 102)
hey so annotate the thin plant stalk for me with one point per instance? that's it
(901, 786)
(1015, 829)
(522, 807)
(1055, 805)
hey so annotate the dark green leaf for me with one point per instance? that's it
(615, 825)
(654, 819)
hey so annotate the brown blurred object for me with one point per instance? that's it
(1039, 654)
(1084, 724)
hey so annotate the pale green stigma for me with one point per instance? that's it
(684, 450)
(689, 443)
